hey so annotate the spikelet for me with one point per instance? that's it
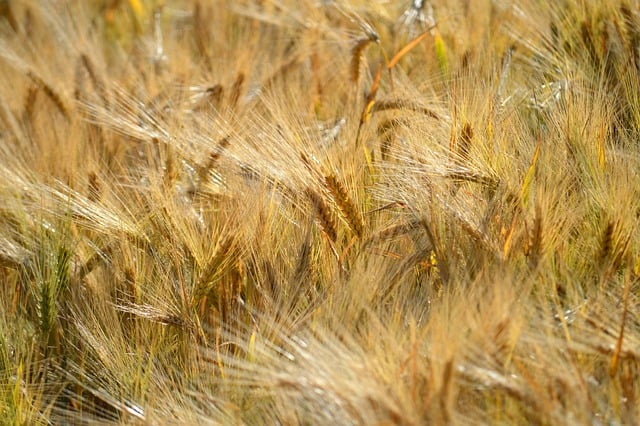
(441, 54)
(217, 153)
(100, 256)
(97, 82)
(589, 43)
(214, 94)
(613, 248)
(7, 13)
(464, 144)
(51, 93)
(214, 157)
(345, 204)
(303, 265)
(393, 232)
(385, 132)
(445, 391)
(469, 176)
(535, 245)
(356, 56)
(94, 189)
(170, 170)
(462, 159)
(606, 242)
(615, 359)
(404, 104)
(236, 90)
(633, 35)
(281, 73)
(506, 65)
(29, 102)
(211, 273)
(323, 214)
(524, 190)
(200, 33)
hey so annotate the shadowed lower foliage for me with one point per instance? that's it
(319, 212)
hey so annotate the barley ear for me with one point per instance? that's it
(51, 93)
(323, 214)
(345, 204)
(236, 89)
(356, 56)
(94, 188)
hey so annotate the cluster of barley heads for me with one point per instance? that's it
(319, 212)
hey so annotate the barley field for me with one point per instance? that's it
(317, 212)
